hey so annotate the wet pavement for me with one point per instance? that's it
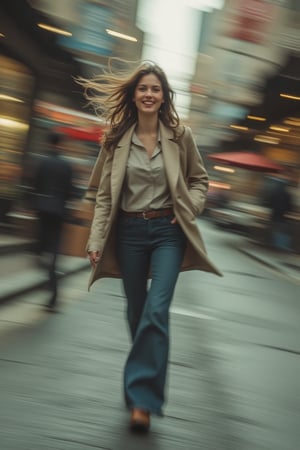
(234, 359)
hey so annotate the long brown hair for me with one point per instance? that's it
(111, 96)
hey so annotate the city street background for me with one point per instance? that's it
(235, 341)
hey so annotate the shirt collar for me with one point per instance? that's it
(135, 140)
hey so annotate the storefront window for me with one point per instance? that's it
(16, 88)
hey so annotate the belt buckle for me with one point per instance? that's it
(144, 215)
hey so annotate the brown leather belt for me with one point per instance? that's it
(149, 214)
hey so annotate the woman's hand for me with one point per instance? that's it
(94, 258)
(174, 220)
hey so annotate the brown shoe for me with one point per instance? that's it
(139, 420)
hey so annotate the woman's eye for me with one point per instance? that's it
(144, 88)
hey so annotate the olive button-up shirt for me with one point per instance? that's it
(145, 185)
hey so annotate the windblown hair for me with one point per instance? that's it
(111, 96)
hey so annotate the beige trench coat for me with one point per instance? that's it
(188, 181)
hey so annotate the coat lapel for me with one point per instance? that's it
(121, 154)
(170, 151)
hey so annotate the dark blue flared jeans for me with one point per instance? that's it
(154, 247)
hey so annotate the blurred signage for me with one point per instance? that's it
(90, 34)
(283, 155)
(251, 19)
(61, 115)
(198, 89)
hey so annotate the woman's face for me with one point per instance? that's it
(148, 94)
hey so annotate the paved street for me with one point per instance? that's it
(234, 363)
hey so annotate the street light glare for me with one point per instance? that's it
(121, 35)
(52, 29)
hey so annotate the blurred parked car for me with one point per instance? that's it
(242, 217)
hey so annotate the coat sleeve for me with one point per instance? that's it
(102, 207)
(196, 174)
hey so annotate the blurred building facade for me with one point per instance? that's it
(239, 51)
(44, 45)
(246, 90)
(229, 64)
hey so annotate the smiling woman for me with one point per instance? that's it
(150, 184)
(113, 97)
(148, 98)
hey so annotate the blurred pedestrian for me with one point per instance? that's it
(150, 186)
(280, 203)
(52, 186)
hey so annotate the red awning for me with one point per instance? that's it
(247, 160)
(90, 134)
